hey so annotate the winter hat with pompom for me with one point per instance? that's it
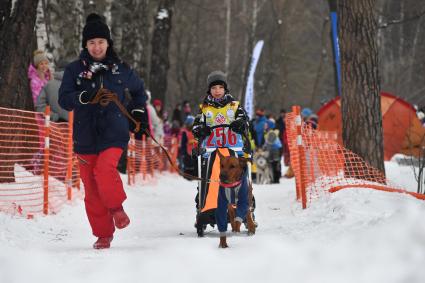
(39, 56)
(96, 28)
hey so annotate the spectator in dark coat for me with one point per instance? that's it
(49, 96)
(177, 116)
(260, 127)
(281, 126)
(187, 110)
(101, 132)
(280, 122)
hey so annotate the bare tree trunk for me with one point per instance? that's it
(254, 20)
(228, 23)
(245, 56)
(319, 74)
(64, 22)
(251, 42)
(160, 44)
(361, 102)
(14, 58)
(131, 37)
(5, 7)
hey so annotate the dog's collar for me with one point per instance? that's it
(230, 185)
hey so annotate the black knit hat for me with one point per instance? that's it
(95, 28)
(217, 78)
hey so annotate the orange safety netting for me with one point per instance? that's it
(39, 171)
(145, 158)
(321, 165)
(37, 167)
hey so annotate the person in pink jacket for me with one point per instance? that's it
(38, 73)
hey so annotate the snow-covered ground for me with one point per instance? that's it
(349, 236)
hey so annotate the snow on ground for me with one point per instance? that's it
(349, 236)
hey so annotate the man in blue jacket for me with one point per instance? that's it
(101, 131)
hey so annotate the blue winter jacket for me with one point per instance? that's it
(259, 124)
(97, 128)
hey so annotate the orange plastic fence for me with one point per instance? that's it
(37, 166)
(145, 158)
(39, 171)
(321, 165)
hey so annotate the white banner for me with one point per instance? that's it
(249, 93)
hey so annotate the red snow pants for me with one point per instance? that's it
(103, 189)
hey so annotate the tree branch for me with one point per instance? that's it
(403, 21)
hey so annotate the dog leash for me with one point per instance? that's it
(104, 97)
(181, 173)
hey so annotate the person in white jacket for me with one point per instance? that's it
(156, 123)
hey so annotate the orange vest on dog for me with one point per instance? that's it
(211, 200)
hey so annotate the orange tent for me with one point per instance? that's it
(403, 132)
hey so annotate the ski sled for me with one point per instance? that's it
(208, 164)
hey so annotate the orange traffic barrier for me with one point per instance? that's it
(321, 165)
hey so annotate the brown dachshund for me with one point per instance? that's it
(231, 172)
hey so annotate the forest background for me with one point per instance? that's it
(196, 37)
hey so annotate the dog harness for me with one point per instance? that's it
(232, 189)
(232, 192)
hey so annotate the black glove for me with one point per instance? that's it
(238, 126)
(201, 131)
(140, 115)
(86, 97)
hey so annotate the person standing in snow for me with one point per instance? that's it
(155, 121)
(101, 131)
(259, 127)
(157, 103)
(49, 96)
(187, 144)
(38, 73)
(273, 146)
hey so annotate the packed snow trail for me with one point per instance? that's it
(350, 236)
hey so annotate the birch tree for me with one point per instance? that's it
(160, 45)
